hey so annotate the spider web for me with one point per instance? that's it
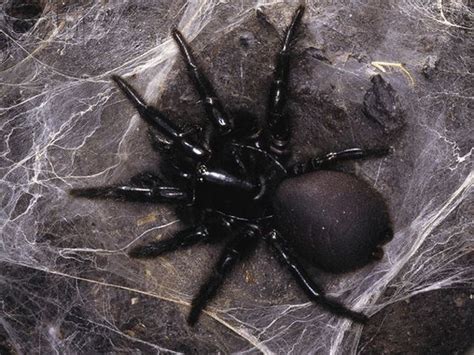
(67, 284)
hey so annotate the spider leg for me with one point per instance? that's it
(182, 239)
(324, 160)
(158, 143)
(214, 109)
(144, 187)
(314, 291)
(239, 163)
(176, 166)
(133, 193)
(158, 120)
(237, 248)
(277, 120)
(210, 228)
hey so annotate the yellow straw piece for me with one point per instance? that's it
(382, 65)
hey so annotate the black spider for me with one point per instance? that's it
(235, 179)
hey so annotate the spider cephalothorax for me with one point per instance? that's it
(235, 181)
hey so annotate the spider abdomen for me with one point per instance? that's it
(335, 220)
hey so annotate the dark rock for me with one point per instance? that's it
(382, 106)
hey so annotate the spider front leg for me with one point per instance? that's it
(141, 188)
(277, 120)
(214, 109)
(314, 291)
(236, 249)
(158, 120)
(324, 160)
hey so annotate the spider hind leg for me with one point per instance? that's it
(312, 290)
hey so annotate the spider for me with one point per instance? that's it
(233, 180)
